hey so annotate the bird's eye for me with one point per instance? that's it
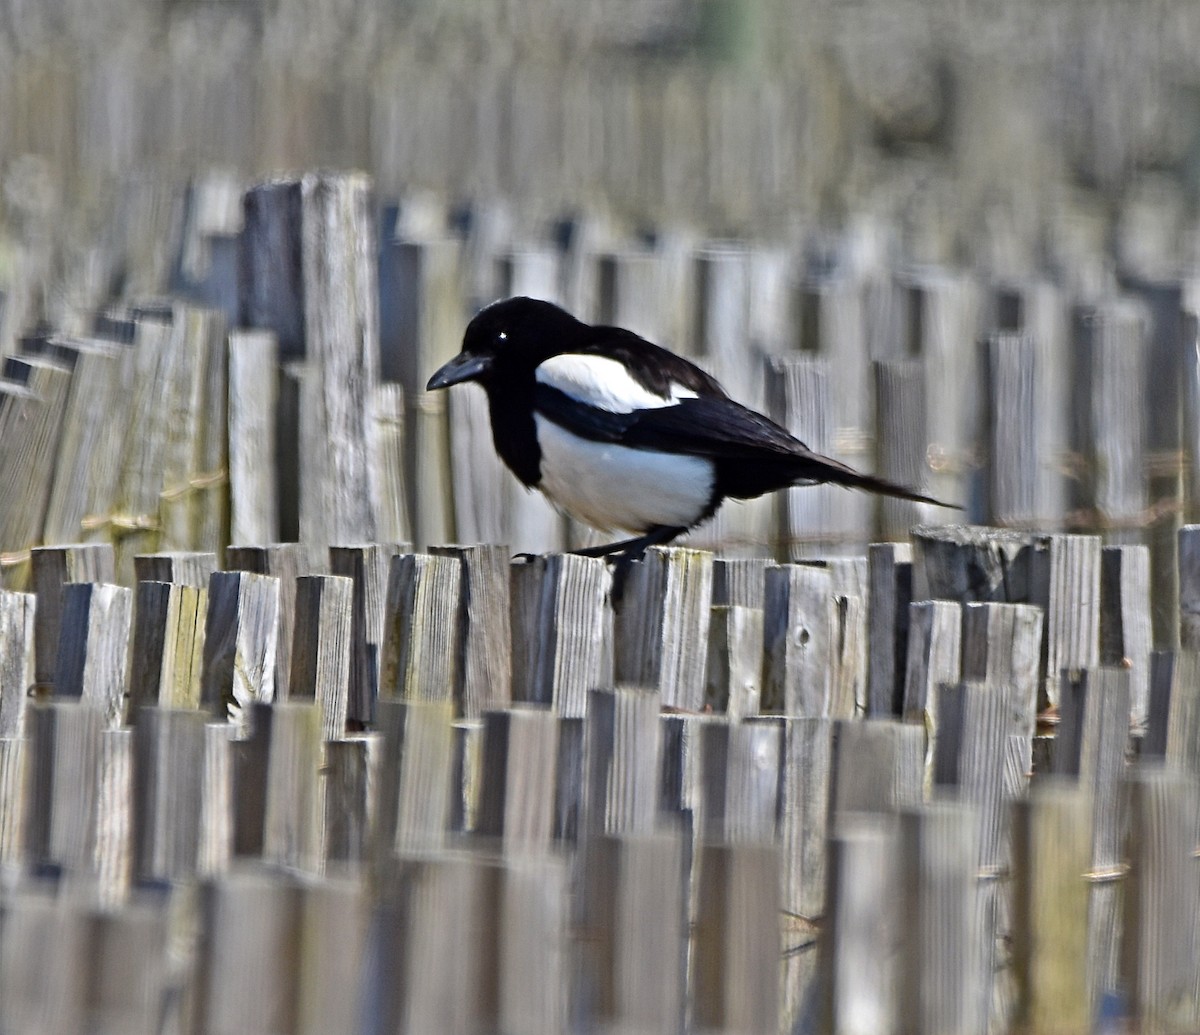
(502, 336)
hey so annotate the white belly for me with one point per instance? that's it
(613, 487)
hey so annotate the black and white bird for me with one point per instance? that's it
(622, 434)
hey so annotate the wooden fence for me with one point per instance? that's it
(265, 768)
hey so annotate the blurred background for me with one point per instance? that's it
(1011, 135)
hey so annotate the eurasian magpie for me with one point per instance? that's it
(622, 434)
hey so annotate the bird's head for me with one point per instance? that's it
(513, 334)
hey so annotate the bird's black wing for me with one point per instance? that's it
(752, 454)
(656, 369)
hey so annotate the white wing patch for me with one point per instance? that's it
(614, 487)
(603, 383)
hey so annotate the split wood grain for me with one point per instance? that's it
(186, 567)
(421, 638)
(520, 752)
(241, 636)
(368, 566)
(168, 646)
(1052, 849)
(53, 567)
(733, 675)
(1126, 636)
(167, 799)
(622, 745)
(17, 659)
(562, 629)
(93, 646)
(484, 664)
(1160, 901)
(938, 977)
(633, 904)
(797, 631)
(321, 642)
(285, 562)
(253, 401)
(890, 591)
(661, 628)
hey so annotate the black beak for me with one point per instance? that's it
(463, 367)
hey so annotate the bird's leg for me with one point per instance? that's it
(624, 554)
(634, 549)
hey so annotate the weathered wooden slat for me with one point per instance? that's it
(334, 927)
(1051, 851)
(168, 756)
(368, 566)
(797, 641)
(309, 275)
(85, 468)
(1092, 740)
(1158, 948)
(217, 799)
(1001, 644)
(13, 755)
(321, 643)
(348, 791)
(877, 766)
(848, 675)
(661, 628)
(804, 792)
(1125, 628)
(739, 581)
(633, 903)
(30, 427)
(736, 944)
(890, 591)
(800, 400)
(901, 441)
(533, 947)
(1012, 430)
(114, 816)
(969, 563)
(733, 677)
(934, 659)
(93, 647)
(1108, 414)
(188, 568)
(193, 454)
(17, 655)
(414, 779)
(421, 639)
(168, 646)
(622, 746)
(292, 816)
(1189, 587)
(484, 664)
(54, 566)
(253, 419)
(562, 628)
(129, 966)
(520, 751)
(240, 643)
(938, 976)
(286, 562)
(861, 920)
(421, 326)
(40, 937)
(1066, 583)
(738, 781)
(247, 966)
(393, 522)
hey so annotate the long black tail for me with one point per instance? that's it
(819, 468)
